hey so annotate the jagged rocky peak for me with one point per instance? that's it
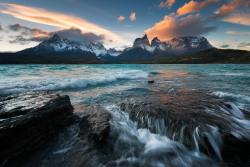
(55, 37)
(141, 41)
(191, 42)
(155, 42)
(114, 52)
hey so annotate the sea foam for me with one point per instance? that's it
(69, 83)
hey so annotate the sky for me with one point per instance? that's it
(117, 23)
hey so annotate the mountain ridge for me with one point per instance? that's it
(141, 50)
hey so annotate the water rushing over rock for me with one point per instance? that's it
(202, 122)
(177, 128)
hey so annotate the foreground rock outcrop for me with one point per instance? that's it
(28, 121)
(84, 143)
(202, 122)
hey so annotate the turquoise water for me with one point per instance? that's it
(109, 83)
(106, 85)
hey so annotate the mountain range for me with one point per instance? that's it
(141, 50)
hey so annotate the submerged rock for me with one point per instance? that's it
(28, 121)
(202, 122)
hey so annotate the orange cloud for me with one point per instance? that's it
(228, 13)
(239, 18)
(121, 18)
(238, 32)
(39, 15)
(171, 27)
(168, 3)
(194, 6)
(132, 16)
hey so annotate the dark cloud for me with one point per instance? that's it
(26, 30)
(244, 44)
(37, 35)
(1, 28)
(76, 34)
(20, 40)
(225, 46)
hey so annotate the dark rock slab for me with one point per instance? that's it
(87, 141)
(97, 121)
(28, 121)
(202, 122)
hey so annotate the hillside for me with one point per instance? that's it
(13, 58)
(211, 56)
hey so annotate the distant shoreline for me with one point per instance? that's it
(211, 56)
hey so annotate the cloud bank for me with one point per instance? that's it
(27, 35)
(171, 27)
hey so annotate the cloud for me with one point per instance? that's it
(238, 32)
(194, 6)
(26, 30)
(224, 46)
(1, 28)
(192, 25)
(227, 10)
(244, 45)
(20, 40)
(239, 18)
(171, 27)
(39, 15)
(28, 35)
(121, 18)
(76, 34)
(167, 4)
(132, 16)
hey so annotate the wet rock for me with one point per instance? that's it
(151, 81)
(28, 121)
(97, 121)
(84, 143)
(202, 122)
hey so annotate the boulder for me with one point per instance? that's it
(28, 121)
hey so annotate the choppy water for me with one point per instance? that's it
(108, 84)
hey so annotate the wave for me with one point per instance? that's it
(241, 98)
(69, 83)
(230, 74)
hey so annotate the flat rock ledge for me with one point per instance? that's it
(28, 121)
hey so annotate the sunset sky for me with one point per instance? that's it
(116, 23)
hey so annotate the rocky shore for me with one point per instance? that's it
(28, 121)
(33, 123)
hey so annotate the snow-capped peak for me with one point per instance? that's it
(57, 43)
